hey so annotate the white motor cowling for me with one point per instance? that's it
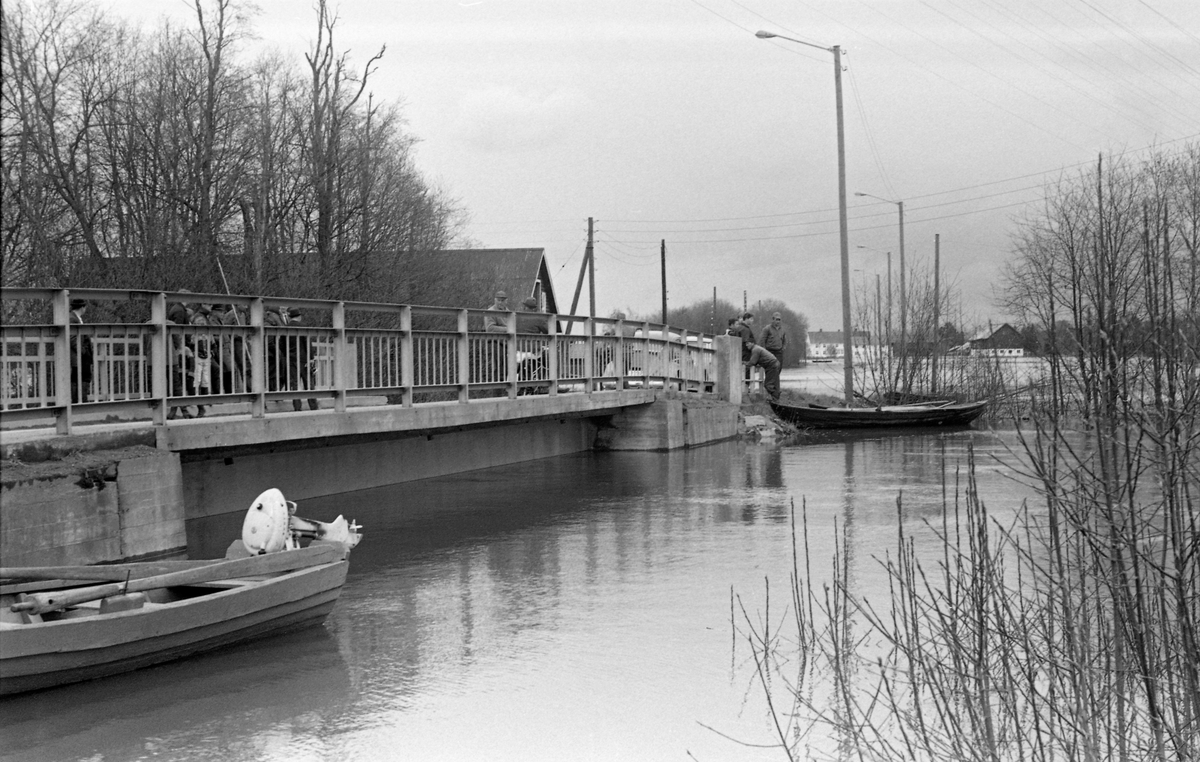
(266, 527)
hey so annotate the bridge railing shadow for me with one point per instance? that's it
(143, 355)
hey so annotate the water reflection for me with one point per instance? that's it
(572, 608)
(278, 685)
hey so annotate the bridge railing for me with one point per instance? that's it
(137, 352)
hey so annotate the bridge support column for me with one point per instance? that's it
(111, 510)
(729, 369)
(669, 424)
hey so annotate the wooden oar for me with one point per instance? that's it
(268, 563)
(106, 572)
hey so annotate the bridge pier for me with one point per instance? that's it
(108, 510)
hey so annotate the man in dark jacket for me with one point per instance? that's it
(774, 336)
(81, 355)
(744, 328)
(763, 358)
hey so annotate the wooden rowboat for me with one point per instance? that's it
(888, 416)
(57, 626)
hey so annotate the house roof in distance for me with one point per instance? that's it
(521, 273)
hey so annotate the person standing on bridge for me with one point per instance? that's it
(527, 323)
(301, 357)
(494, 355)
(497, 323)
(81, 355)
(200, 315)
(182, 383)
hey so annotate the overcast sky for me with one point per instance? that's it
(668, 119)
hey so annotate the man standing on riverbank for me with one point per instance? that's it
(763, 358)
(774, 337)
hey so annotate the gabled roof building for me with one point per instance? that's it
(471, 278)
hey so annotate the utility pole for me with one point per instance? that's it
(847, 339)
(585, 268)
(591, 258)
(878, 318)
(714, 311)
(664, 279)
(903, 291)
(937, 300)
(843, 226)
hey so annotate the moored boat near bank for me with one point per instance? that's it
(886, 416)
(58, 627)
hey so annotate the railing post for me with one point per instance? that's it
(407, 373)
(63, 372)
(463, 357)
(621, 363)
(160, 358)
(685, 361)
(258, 360)
(510, 330)
(589, 357)
(340, 357)
(553, 351)
(646, 355)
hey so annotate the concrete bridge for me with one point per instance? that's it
(317, 397)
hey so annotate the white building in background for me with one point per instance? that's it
(824, 346)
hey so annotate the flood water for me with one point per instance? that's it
(570, 608)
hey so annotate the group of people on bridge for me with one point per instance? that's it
(208, 362)
(203, 363)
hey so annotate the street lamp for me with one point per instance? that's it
(903, 293)
(847, 340)
(889, 275)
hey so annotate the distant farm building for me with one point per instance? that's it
(828, 345)
(1005, 341)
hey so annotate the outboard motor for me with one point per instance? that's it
(267, 527)
(271, 525)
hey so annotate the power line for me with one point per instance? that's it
(1103, 102)
(1150, 45)
(914, 221)
(781, 215)
(1156, 12)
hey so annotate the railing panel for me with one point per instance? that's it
(377, 359)
(120, 363)
(489, 358)
(572, 358)
(435, 360)
(289, 358)
(533, 354)
(27, 359)
(343, 347)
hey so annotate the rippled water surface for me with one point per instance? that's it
(571, 608)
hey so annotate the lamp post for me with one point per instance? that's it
(889, 277)
(903, 293)
(847, 337)
(887, 322)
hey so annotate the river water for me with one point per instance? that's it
(571, 608)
